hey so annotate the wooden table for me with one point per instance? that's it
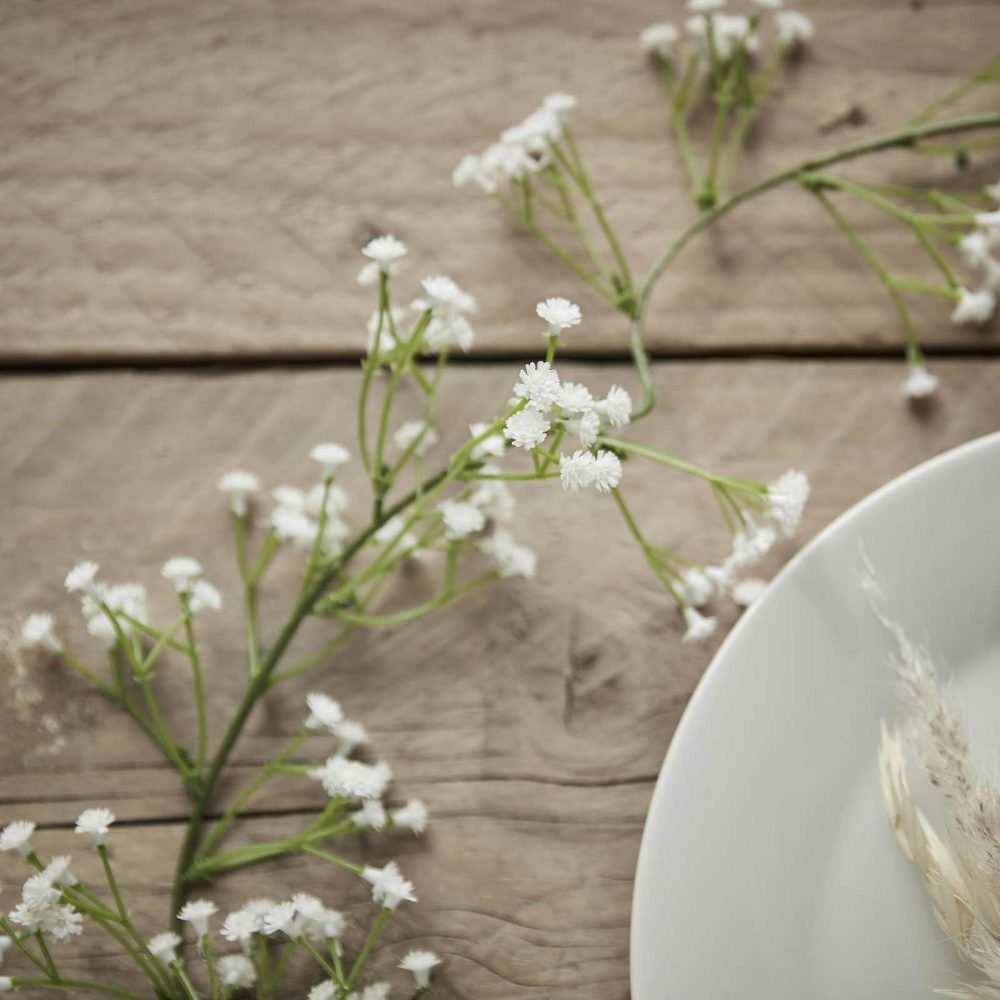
(183, 192)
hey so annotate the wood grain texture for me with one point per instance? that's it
(192, 180)
(532, 717)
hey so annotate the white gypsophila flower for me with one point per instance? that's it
(324, 712)
(61, 922)
(330, 456)
(526, 429)
(294, 526)
(533, 137)
(659, 40)
(373, 991)
(58, 872)
(447, 331)
(38, 629)
(371, 815)
(163, 947)
(393, 528)
(289, 497)
(39, 895)
(16, 836)
(992, 191)
(6, 983)
(420, 964)
(748, 591)
(282, 918)
(461, 519)
(574, 397)
(494, 445)
(559, 104)
(181, 571)
(725, 34)
(23, 917)
(336, 500)
(197, 913)
(511, 558)
(607, 471)
(720, 576)
(470, 171)
(236, 972)
(319, 924)
(352, 779)
(351, 734)
(538, 383)
(369, 274)
(258, 909)
(794, 28)
(786, 499)
(990, 221)
(413, 816)
(100, 627)
(239, 927)
(974, 307)
(586, 428)
(415, 431)
(384, 250)
(95, 824)
(204, 597)
(83, 577)
(576, 471)
(389, 887)
(444, 295)
(920, 383)
(767, 4)
(695, 587)
(493, 497)
(239, 485)
(326, 990)
(560, 314)
(704, 6)
(753, 541)
(974, 248)
(123, 599)
(699, 626)
(616, 406)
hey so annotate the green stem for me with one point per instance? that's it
(76, 984)
(199, 686)
(366, 948)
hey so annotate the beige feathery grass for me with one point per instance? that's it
(953, 837)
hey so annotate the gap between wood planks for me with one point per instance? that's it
(263, 361)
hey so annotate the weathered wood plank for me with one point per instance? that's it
(191, 180)
(532, 718)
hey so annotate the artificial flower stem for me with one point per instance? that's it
(249, 592)
(165, 638)
(76, 984)
(18, 941)
(331, 859)
(366, 948)
(199, 685)
(46, 955)
(185, 982)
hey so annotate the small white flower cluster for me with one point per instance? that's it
(523, 149)
(976, 249)
(449, 306)
(785, 503)
(110, 609)
(297, 513)
(345, 778)
(44, 906)
(717, 32)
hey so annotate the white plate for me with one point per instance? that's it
(767, 869)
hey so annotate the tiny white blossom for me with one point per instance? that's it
(754, 541)
(607, 471)
(6, 984)
(351, 734)
(413, 816)
(974, 248)
(391, 529)
(470, 170)
(39, 630)
(163, 947)
(616, 406)
(324, 712)
(512, 559)
(493, 445)
(659, 39)
(586, 428)
(330, 456)
(326, 990)
(39, 895)
(197, 913)
(444, 294)
(101, 628)
(974, 307)
(575, 397)
(239, 485)
(526, 428)
(373, 991)
(560, 314)
(62, 922)
(695, 587)
(204, 597)
(990, 221)
(384, 251)
(559, 104)
(992, 191)
(95, 824)
(748, 591)
(493, 497)
(538, 383)
(293, 526)
(786, 499)
(83, 577)
(282, 918)
(577, 471)
(794, 28)
(239, 927)
(181, 571)
(236, 972)
(461, 518)
(920, 383)
(57, 871)
(380, 333)
(290, 497)
(352, 779)
(415, 430)
(698, 625)
(371, 815)
(767, 4)
(389, 887)
(447, 331)
(704, 6)
(420, 964)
